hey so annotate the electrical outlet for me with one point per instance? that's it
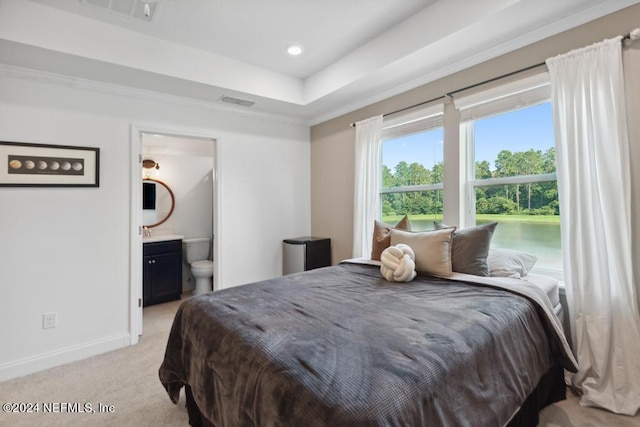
(49, 320)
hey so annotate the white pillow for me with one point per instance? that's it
(432, 249)
(398, 263)
(510, 263)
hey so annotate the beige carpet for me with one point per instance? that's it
(127, 379)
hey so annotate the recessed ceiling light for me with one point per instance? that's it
(294, 50)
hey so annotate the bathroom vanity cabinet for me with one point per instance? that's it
(162, 271)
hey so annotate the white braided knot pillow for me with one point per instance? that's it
(398, 263)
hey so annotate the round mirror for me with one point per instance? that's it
(157, 202)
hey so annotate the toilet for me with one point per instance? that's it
(196, 254)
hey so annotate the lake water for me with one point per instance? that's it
(539, 239)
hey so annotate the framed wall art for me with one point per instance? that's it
(41, 165)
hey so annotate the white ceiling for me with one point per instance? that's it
(355, 51)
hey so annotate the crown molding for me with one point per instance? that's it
(467, 61)
(57, 79)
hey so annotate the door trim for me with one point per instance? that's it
(135, 191)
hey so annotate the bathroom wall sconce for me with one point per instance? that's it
(151, 164)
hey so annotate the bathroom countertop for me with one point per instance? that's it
(162, 238)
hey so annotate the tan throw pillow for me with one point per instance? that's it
(382, 238)
(432, 249)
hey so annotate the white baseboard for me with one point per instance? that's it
(62, 356)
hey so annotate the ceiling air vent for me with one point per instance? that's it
(230, 100)
(145, 10)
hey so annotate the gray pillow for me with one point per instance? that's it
(470, 248)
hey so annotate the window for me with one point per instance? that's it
(509, 137)
(504, 161)
(412, 169)
(514, 181)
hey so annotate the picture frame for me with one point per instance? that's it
(45, 165)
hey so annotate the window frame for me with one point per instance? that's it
(467, 140)
(424, 119)
(457, 121)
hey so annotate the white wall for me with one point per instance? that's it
(67, 250)
(191, 180)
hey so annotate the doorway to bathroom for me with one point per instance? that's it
(184, 163)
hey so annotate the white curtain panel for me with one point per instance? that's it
(366, 201)
(594, 184)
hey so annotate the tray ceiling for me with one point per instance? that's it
(355, 52)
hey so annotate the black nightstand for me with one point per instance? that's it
(305, 253)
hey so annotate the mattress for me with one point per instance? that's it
(548, 284)
(342, 346)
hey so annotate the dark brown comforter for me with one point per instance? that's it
(340, 346)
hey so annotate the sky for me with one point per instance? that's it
(518, 130)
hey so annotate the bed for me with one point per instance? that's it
(341, 345)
